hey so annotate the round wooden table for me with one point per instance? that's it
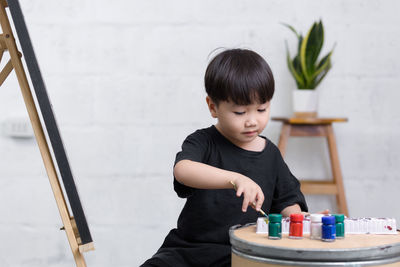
(256, 250)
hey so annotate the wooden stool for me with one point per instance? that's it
(317, 127)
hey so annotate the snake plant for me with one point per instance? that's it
(305, 67)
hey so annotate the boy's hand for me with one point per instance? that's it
(325, 212)
(252, 193)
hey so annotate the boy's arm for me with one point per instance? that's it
(296, 209)
(291, 209)
(203, 176)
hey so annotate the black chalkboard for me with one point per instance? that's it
(49, 120)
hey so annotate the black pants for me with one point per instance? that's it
(177, 252)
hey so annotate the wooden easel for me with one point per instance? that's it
(7, 43)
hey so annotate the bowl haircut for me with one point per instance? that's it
(240, 76)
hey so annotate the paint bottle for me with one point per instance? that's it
(339, 218)
(316, 226)
(275, 226)
(296, 226)
(328, 228)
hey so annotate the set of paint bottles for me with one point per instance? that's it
(322, 227)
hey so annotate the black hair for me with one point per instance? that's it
(239, 75)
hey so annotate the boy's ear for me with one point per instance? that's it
(212, 107)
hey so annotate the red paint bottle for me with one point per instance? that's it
(296, 226)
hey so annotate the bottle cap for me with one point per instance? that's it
(316, 217)
(339, 217)
(328, 220)
(296, 217)
(274, 218)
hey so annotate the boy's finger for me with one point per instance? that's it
(260, 201)
(245, 204)
(239, 191)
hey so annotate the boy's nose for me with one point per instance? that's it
(250, 122)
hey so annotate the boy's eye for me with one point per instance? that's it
(261, 109)
(238, 112)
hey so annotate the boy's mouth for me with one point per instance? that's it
(250, 133)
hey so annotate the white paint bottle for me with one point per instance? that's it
(316, 226)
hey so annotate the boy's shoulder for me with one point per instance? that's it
(272, 145)
(205, 137)
(204, 133)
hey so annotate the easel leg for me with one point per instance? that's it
(39, 134)
(336, 172)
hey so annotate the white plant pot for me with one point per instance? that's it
(305, 102)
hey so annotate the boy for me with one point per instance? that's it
(239, 86)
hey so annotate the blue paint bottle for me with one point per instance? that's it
(328, 228)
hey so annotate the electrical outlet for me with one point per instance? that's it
(17, 128)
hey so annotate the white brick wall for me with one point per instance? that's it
(126, 82)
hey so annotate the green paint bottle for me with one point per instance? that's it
(339, 218)
(275, 226)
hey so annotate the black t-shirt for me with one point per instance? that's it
(202, 238)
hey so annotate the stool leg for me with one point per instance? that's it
(283, 138)
(336, 172)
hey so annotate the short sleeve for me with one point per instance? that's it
(287, 188)
(193, 148)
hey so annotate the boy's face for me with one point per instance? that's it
(240, 124)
